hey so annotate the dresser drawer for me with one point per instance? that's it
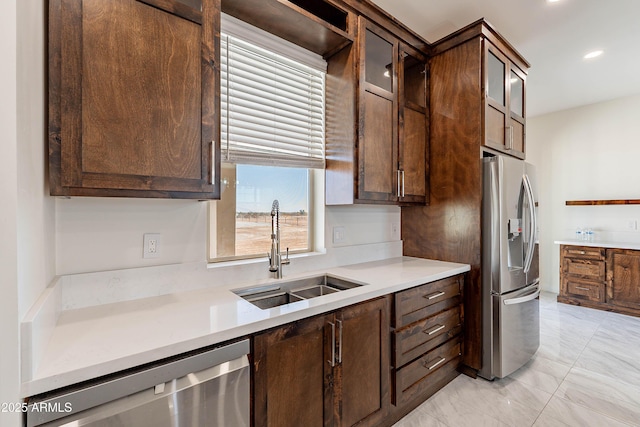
(419, 337)
(593, 291)
(417, 374)
(426, 300)
(583, 252)
(585, 268)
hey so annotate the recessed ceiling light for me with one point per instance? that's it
(552, 1)
(593, 54)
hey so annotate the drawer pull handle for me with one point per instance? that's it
(332, 361)
(436, 295)
(339, 322)
(442, 359)
(582, 288)
(434, 330)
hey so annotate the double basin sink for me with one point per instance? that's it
(286, 292)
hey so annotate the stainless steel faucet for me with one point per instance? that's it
(275, 258)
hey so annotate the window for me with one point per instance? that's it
(272, 141)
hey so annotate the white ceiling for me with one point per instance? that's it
(553, 37)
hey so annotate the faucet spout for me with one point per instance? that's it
(275, 257)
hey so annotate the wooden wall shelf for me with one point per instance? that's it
(602, 202)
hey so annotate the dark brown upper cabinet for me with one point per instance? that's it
(376, 121)
(413, 122)
(465, 98)
(378, 105)
(505, 103)
(321, 26)
(134, 98)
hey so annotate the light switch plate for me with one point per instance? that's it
(338, 234)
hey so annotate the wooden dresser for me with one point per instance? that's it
(598, 277)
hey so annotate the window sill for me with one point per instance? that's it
(251, 261)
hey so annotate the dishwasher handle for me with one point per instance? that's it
(107, 391)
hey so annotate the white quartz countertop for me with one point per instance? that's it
(600, 244)
(90, 342)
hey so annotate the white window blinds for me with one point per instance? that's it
(272, 108)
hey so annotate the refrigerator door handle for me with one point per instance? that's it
(532, 216)
(525, 298)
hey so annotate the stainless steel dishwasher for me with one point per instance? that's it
(205, 389)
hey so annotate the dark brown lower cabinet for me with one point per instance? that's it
(604, 278)
(327, 370)
(426, 342)
(623, 280)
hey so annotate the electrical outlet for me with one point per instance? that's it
(151, 245)
(395, 231)
(632, 224)
(338, 234)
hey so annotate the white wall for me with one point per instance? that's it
(36, 210)
(591, 152)
(26, 217)
(98, 234)
(9, 356)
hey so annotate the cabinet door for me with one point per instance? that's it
(377, 136)
(496, 113)
(362, 374)
(623, 278)
(516, 125)
(413, 153)
(504, 103)
(134, 98)
(291, 373)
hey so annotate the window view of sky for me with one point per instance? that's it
(258, 186)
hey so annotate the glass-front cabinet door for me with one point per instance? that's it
(378, 109)
(379, 65)
(496, 72)
(505, 103)
(516, 127)
(517, 94)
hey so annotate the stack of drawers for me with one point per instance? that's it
(582, 273)
(426, 328)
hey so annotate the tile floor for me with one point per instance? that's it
(585, 373)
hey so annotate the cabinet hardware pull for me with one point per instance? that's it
(398, 183)
(436, 295)
(339, 322)
(442, 359)
(434, 330)
(213, 160)
(332, 362)
(583, 289)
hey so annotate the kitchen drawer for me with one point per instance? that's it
(410, 379)
(585, 268)
(420, 337)
(593, 291)
(583, 252)
(426, 300)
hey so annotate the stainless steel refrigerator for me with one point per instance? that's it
(510, 279)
